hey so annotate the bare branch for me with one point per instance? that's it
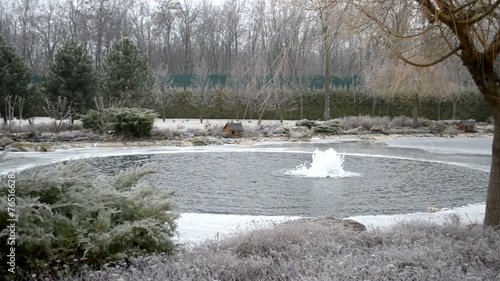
(494, 48)
(58, 111)
(437, 14)
(477, 18)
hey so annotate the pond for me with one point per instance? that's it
(313, 179)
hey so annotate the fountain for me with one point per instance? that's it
(325, 164)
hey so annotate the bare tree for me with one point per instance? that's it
(6, 21)
(330, 15)
(264, 97)
(49, 29)
(27, 43)
(109, 21)
(387, 77)
(164, 16)
(187, 18)
(237, 90)
(11, 102)
(232, 17)
(301, 88)
(284, 98)
(207, 35)
(202, 94)
(164, 93)
(105, 110)
(468, 29)
(59, 111)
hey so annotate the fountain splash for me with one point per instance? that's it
(325, 164)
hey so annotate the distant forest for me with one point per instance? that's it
(286, 49)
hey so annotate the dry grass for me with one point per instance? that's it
(364, 121)
(307, 250)
(39, 127)
(367, 122)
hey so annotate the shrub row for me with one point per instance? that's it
(343, 103)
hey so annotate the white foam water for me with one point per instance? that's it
(325, 164)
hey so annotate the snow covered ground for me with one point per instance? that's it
(184, 123)
(195, 227)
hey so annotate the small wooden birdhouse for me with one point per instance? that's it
(233, 130)
(467, 125)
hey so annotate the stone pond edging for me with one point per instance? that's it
(304, 130)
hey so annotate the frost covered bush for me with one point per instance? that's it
(349, 122)
(366, 122)
(162, 133)
(71, 216)
(196, 132)
(97, 121)
(308, 250)
(215, 130)
(405, 121)
(383, 121)
(133, 122)
(126, 122)
(401, 121)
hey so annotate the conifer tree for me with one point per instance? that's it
(72, 76)
(15, 77)
(127, 75)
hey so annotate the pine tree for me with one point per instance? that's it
(71, 75)
(15, 77)
(127, 76)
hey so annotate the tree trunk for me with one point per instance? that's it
(353, 90)
(326, 113)
(259, 121)
(301, 107)
(439, 111)
(246, 109)
(415, 111)
(492, 212)
(279, 109)
(374, 104)
(454, 109)
(486, 82)
(328, 78)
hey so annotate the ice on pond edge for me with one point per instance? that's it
(197, 227)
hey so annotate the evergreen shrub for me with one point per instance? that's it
(94, 121)
(72, 216)
(71, 75)
(133, 122)
(126, 122)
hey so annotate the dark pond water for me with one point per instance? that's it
(258, 183)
